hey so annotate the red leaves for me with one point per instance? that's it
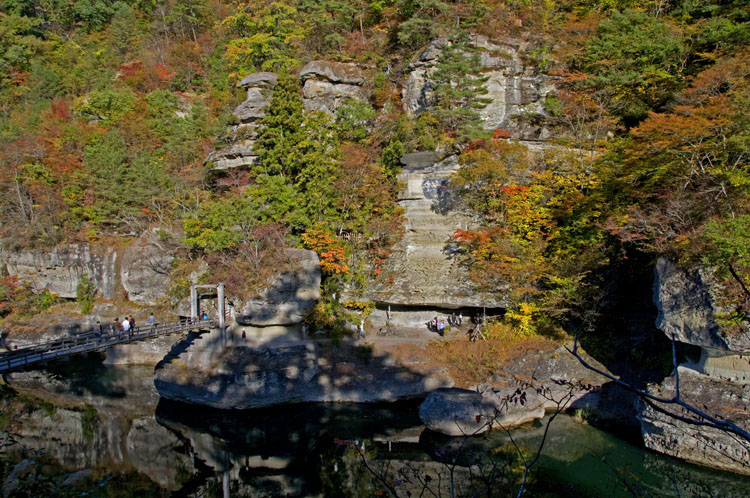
(501, 133)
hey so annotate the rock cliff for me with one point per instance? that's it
(423, 269)
(326, 85)
(516, 91)
(665, 432)
(140, 270)
(60, 269)
(689, 310)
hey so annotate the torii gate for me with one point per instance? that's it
(219, 297)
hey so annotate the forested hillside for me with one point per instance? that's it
(108, 111)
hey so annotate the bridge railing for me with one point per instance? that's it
(92, 341)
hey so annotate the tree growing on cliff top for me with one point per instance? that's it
(460, 89)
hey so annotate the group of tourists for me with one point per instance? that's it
(127, 325)
(438, 325)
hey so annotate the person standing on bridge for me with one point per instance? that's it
(131, 321)
(115, 326)
(125, 325)
(151, 321)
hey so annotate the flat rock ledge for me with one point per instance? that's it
(244, 378)
(664, 432)
(533, 385)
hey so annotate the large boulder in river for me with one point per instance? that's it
(524, 391)
(290, 295)
(689, 307)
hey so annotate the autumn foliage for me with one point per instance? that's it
(332, 255)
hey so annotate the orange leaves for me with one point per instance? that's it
(333, 259)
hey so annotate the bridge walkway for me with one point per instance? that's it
(91, 341)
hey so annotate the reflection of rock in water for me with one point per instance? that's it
(156, 452)
(120, 432)
(279, 451)
(111, 442)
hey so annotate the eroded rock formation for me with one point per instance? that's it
(423, 269)
(290, 296)
(328, 84)
(241, 137)
(524, 391)
(516, 91)
(243, 378)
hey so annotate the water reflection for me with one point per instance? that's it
(174, 449)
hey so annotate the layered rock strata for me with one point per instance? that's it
(665, 430)
(516, 92)
(424, 269)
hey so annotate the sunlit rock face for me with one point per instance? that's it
(145, 269)
(328, 84)
(240, 138)
(424, 269)
(60, 269)
(143, 266)
(516, 90)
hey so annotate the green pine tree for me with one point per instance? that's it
(460, 89)
(281, 131)
(318, 170)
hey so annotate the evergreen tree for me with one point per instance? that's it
(318, 170)
(281, 131)
(460, 89)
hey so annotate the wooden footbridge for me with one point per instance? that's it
(93, 341)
